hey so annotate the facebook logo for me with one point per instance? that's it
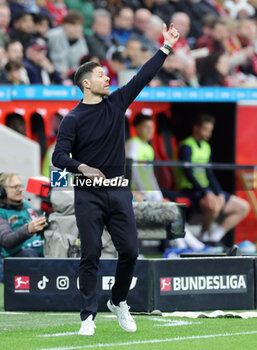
(107, 282)
(59, 178)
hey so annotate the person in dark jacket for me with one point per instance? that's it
(23, 27)
(39, 68)
(94, 133)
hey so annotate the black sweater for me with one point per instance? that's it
(95, 133)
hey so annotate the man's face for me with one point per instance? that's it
(5, 16)
(42, 27)
(73, 31)
(25, 24)
(102, 26)
(36, 54)
(182, 24)
(219, 32)
(204, 131)
(15, 75)
(134, 52)
(15, 52)
(98, 82)
(125, 19)
(145, 130)
(13, 189)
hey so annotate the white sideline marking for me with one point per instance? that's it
(56, 334)
(13, 313)
(168, 340)
(171, 323)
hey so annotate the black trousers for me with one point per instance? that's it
(95, 208)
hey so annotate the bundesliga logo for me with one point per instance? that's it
(21, 284)
(203, 284)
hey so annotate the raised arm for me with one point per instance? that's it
(125, 95)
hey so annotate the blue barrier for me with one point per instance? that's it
(158, 94)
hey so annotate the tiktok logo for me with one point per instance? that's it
(42, 283)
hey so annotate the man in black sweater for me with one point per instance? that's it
(94, 132)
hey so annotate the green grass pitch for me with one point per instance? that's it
(49, 330)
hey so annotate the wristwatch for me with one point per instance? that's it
(168, 47)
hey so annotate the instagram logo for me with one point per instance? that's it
(62, 282)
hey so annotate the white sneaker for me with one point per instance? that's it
(87, 326)
(122, 312)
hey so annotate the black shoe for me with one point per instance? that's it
(233, 251)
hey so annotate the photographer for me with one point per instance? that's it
(19, 227)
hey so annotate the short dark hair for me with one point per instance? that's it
(12, 65)
(140, 118)
(73, 17)
(11, 42)
(202, 118)
(40, 17)
(82, 71)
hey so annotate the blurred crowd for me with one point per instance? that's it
(44, 41)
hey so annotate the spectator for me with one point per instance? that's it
(32, 6)
(23, 27)
(110, 5)
(164, 9)
(154, 31)
(57, 11)
(215, 41)
(2, 57)
(113, 66)
(67, 44)
(42, 25)
(170, 73)
(39, 68)
(133, 52)
(141, 28)
(220, 41)
(122, 25)
(5, 16)
(13, 74)
(213, 70)
(102, 40)
(86, 8)
(202, 187)
(247, 35)
(175, 73)
(19, 227)
(239, 9)
(182, 50)
(14, 52)
(196, 10)
(182, 22)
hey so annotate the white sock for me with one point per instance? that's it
(217, 235)
(206, 236)
(192, 242)
(180, 243)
